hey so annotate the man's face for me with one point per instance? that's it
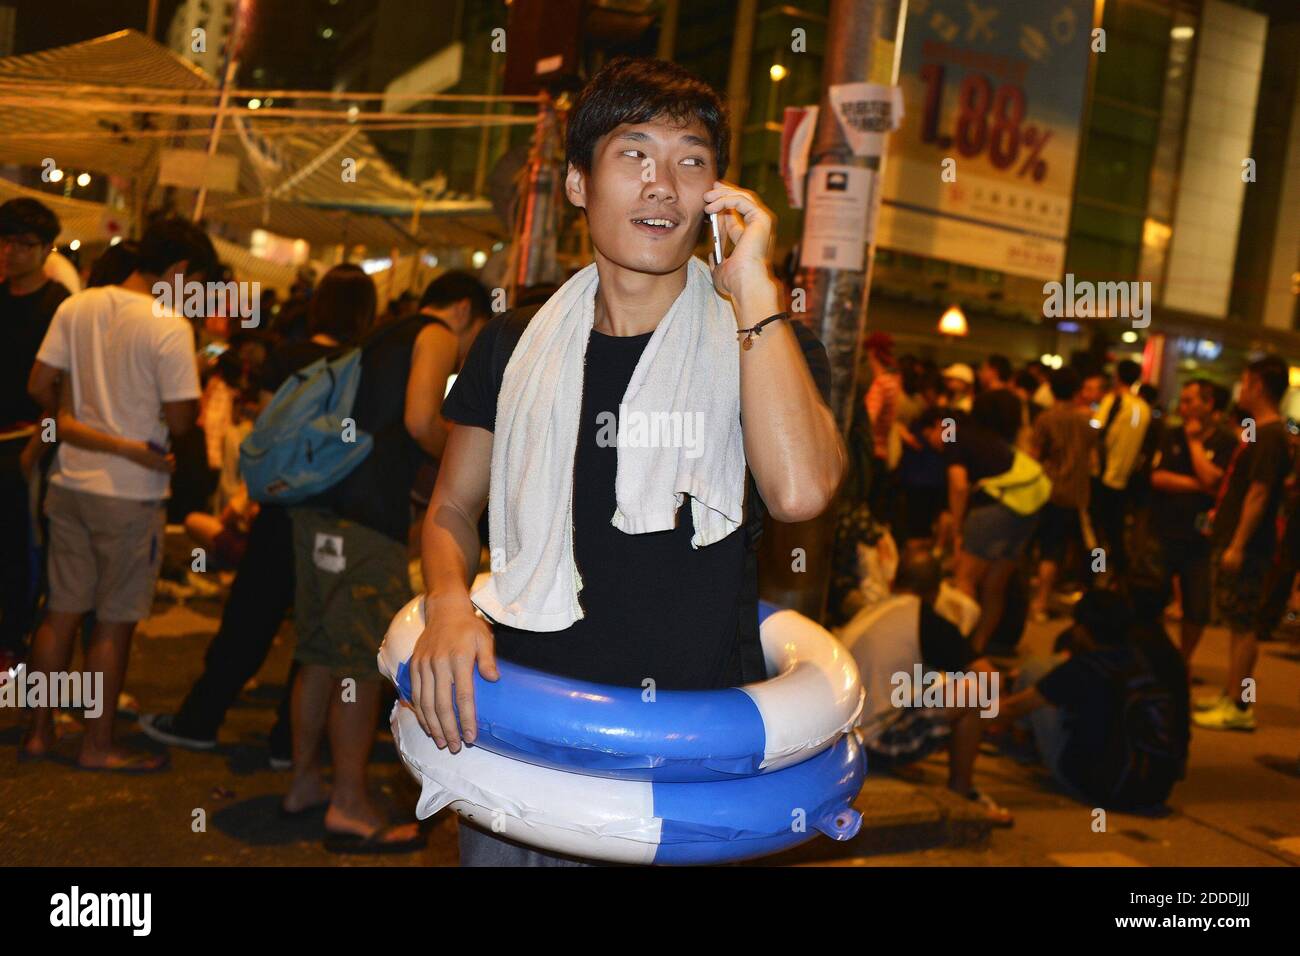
(1248, 396)
(654, 171)
(23, 254)
(988, 377)
(1191, 405)
(1094, 386)
(956, 387)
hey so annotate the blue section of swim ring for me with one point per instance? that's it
(605, 731)
(755, 816)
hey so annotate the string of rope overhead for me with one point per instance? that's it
(117, 104)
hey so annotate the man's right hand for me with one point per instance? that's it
(442, 665)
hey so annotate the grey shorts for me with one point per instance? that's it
(104, 554)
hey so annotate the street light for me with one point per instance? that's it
(83, 180)
(777, 72)
(953, 321)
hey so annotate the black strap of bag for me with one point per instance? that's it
(1105, 430)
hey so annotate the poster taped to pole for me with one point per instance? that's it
(837, 223)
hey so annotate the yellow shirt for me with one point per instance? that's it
(1123, 441)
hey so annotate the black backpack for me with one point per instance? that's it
(1142, 772)
(749, 647)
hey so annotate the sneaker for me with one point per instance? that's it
(999, 816)
(162, 728)
(1211, 703)
(1227, 716)
(203, 587)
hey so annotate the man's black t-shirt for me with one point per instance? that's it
(1266, 459)
(1089, 690)
(1082, 688)
(377, 494)
(981, 451)
(942, 646)
(24, 320)
(654, 607)
(1174, 514)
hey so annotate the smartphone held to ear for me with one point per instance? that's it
(717, 238)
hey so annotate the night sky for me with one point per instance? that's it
(42, 24)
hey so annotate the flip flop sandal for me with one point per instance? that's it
(138, 763)
(354, 843)
(306, 813)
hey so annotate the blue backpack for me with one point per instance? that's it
(296, 448)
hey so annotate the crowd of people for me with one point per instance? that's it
(1039, 494)
(121, 426)
(1066, 493)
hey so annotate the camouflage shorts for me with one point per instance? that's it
(1239, 595)
(350, 582)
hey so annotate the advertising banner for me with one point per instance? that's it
(981, 171)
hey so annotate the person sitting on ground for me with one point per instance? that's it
(922, 638)
(1105, 711)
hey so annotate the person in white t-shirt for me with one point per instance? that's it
(121, 373)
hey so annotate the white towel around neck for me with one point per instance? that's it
(688, 378)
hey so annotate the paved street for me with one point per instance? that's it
(1236, 808)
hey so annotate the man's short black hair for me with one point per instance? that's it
(1065, 383)
(1105, 615)
(932, 416)
(1128, 371)
(1205, 391)
(1273, 374)
(638, 90)
(168, 241)
(999, 411)
(18, 217)
(1222, 397)
(451, 287)
(1001, 366)
(919, 572)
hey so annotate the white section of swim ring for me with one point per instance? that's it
(815, 695)
(566, 813)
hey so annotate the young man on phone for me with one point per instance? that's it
(619, 556)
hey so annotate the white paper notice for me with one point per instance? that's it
(836, 224)
(867, 112)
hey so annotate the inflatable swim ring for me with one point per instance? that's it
(679, 736)
(688, 777)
